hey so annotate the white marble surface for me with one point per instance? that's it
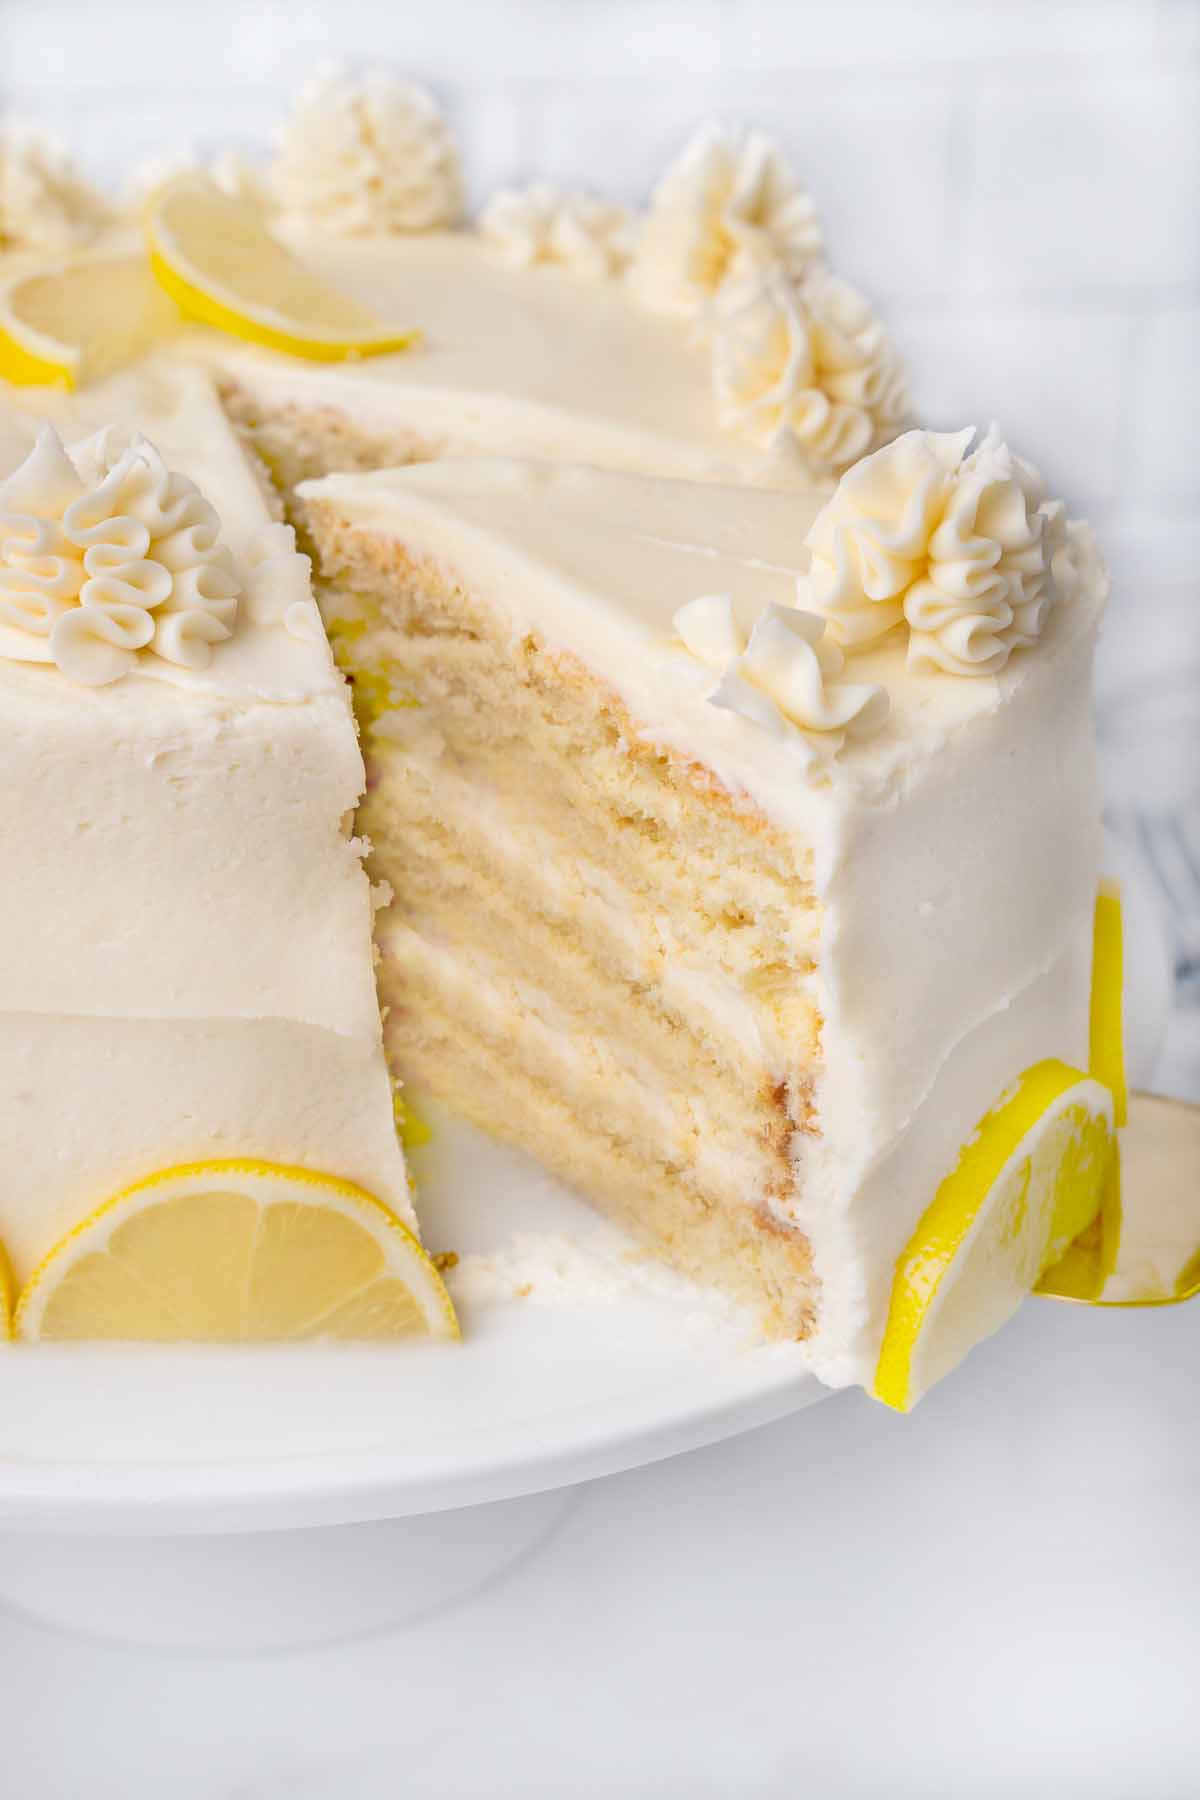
(996, 1597)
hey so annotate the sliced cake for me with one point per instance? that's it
(740, 933)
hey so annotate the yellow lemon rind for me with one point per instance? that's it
(8, 1297)
(948, 1219)
(441, 1319)
(30, 358)
(1106, 1028)
(197, 302)
(1085, 1266)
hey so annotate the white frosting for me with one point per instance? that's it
(783, 674)
(727, 207)
(278, 580)
(367, 155)
(926, 1014)
(964, 549)
(807, 367)
(539, 224)
(44, 202)
(513, 361)
(186, 966)
(106, 554)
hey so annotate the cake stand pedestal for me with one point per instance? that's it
(265, 1591)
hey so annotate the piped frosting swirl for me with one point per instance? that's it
(963, 548)
(45, 204)
(783, 674)
(369, 155)
(539, 224)
(727, 207)
(806, 367)
(106, 553)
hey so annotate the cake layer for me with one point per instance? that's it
(519, 885)
(747, 1254)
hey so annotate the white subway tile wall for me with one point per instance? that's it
(1015, 182)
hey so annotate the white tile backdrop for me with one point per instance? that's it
(1015, 182)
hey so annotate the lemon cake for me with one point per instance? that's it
(744, 847)
(728, 809)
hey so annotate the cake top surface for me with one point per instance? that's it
(666, 589)
(539, 347)
(704, 336)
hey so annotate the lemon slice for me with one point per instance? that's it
(213, 254)
(1029, 1181)
(236, 1252)
(76, 321)
(8, 1296)
(1106, 1052)
(1082, 1272)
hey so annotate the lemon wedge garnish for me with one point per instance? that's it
(236, 1252)
(1106, 1049)
(76, 321)
(1025, 1186)
(214, 255)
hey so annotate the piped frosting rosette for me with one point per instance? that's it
(44, 202)
(962, 547)
(539, 224)
(367, 155)
(727, 207)
(783, 675)
(105, 554)
(806, 368)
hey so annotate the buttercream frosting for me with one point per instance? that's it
(44, 202)
(807, 366)
(278, 582)
(367, 155)
(784, 674)
(964, 549)
(540, 224)
(515, 361)
(108, 553)
(727, 206)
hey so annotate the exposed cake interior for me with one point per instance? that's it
(594, 948)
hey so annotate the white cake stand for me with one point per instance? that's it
(275, 1498)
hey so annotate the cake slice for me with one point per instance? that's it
(187, 967)
(737, 933)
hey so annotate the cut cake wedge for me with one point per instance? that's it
(749, 986)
